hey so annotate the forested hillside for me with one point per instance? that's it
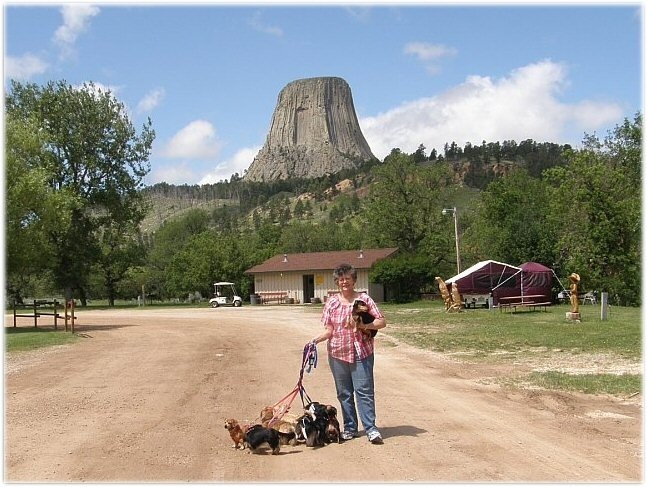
(472, 166)
(79, 225)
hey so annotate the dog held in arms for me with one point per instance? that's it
(360, 314)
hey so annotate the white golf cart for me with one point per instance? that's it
(225, 295)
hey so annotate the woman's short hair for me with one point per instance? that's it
(343, 270)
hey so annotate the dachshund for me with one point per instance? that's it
(285, 426)
(314, 424)
(333, 432)
(236, 432)
(257, 436)
(359, 315)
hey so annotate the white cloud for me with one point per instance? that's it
(426, 52)
(520, 106)
(150, 101)
(76, 18)
(175, 173)
(24, 67)
(194, 172)
(589, 115)
(198, 140)
(256, 23)
(237, 164)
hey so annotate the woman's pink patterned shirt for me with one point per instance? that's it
(345, 344)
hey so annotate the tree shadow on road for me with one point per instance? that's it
(83, 330)
(91, 327)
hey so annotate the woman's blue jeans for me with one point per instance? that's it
(354, 382)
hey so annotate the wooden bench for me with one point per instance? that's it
(267, 297)
(537, 305)
(511, 303)
(513, 306)
(509, 306)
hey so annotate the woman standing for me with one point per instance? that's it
(350, 354)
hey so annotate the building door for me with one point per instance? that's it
(308, 287)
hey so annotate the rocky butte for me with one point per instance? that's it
(314, 132)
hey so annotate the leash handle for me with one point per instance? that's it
(309, 357)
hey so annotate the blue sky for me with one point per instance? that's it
(209, 75)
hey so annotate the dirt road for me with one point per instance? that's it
(143, 397)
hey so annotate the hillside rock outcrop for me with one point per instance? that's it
(314, 132)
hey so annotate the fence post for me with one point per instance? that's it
(604, 307)
(35, 315)
(69, 306)
(55, 316)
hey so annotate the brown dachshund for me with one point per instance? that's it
(236, 432)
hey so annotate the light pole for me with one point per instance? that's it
(454, 211)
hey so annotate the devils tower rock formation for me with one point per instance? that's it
(314, 132)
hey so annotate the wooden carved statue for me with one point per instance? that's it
(575, 303)
(457, 302)
(452, 301)
(442, 287)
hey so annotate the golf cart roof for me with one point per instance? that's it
(223, 283)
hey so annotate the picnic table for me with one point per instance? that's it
(528, 301)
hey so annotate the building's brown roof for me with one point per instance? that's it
(316, 261)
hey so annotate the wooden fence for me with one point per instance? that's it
(36, 311)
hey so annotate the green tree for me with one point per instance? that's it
(404, 275)
(404, 204)
(596, 201)
(120, 251)
(419, 155)
(169, 239)
(33, 209)
(92, 152)
(623, 147)
(513, 221)
(206, 258)
(195, 266)
(301, 237)
(299, 210)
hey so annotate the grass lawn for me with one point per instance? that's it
(482, 331)
(491, 336)
(21, 338)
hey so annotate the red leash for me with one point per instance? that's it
(283, 406)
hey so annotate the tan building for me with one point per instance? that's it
(300, 278)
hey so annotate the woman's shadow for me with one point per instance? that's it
(402, 430)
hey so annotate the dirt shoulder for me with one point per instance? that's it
(143, 396)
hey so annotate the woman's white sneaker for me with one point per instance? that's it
(375, 437)
(348, 435)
